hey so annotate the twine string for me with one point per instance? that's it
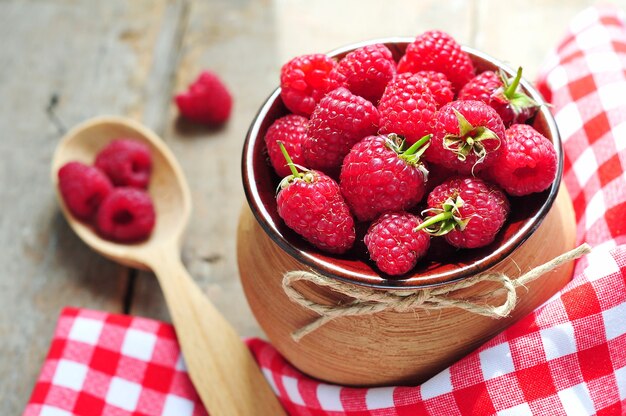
(367, 301)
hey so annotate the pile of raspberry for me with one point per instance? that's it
(112, 194)
(419, 148)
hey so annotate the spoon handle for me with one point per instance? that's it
(221, 367)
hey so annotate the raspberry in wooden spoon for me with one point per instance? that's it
(126, 215)
(83, 188)
(126, 162)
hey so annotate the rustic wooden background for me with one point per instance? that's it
(64, 61)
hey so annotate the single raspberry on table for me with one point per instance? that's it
(503, 94)
(437, 51)
(365, 71)
(528, 164)
(310, 203)
(126, 162)
(438, 85)
(407, 108)
(468, 211)
(380, 175)
(291, 131)
(207, 101)
(340, 120)
(304, 80)
(126, 215)
(83, 188)
(394, 243)
(468, 136)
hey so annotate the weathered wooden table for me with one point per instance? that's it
(62, 62)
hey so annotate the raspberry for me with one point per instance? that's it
(394, 244)
(83, 188)
(438, 51)
(126, 162)
(467, 211)
(126, 215)
(407, 108)
(340, 120)
(438, 85)
(502, 95)
(366, 71)
(468, 137)
(207, 101)
(481, 87)
(291, 131)
(304, 81)
(311, 204)
(528, 164)
(378, 176)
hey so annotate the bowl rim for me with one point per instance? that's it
(412, 282)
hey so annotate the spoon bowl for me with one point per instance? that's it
(168, 186)
(220, 366)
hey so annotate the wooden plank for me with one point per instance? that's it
(85, 59)
(228, 38)
(246, 43)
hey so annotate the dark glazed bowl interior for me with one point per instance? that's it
(443, 263)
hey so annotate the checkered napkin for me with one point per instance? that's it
(566, 358)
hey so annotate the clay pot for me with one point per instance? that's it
(391, 348)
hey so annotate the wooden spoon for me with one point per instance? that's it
(221, 367)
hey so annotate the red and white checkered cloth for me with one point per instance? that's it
(566, 358)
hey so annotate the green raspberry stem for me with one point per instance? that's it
(510, 91)
(416, 146)
(443, 216)
(290, 163)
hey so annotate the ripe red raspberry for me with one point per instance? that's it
(502, 94)
(467, 211)
(207, 101)
(126, 215)
(394, 244)
(468, 137)
(304, 81)
(366, 71)
(126, 162)
(528, 164)
(481, 87)
(311, 204)
(83, 188)
(407, 108)
(340, 120)
(437, 51)
(438, 85)
(379, 176)
(291, 131)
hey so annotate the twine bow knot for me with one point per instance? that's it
(368, 301)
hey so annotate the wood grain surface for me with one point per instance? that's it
(64, 61)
